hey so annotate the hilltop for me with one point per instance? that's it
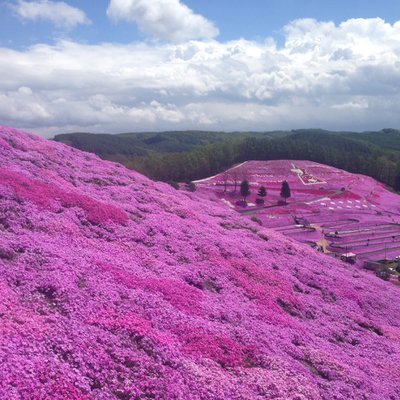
(192, 155)
(328, 207)
(113, 286)
(124, 147)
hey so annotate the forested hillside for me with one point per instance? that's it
(186, 156)
(125, 146)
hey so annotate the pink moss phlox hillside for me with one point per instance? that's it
(130, 323)
(272, 294)
(346, 195)
(44, 195)
(4, 144)
(17, 320)
(44, 384)
(114, 287)
(118, 274)
(222, 349)
(180, 295)
(60, 390)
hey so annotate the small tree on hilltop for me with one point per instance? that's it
(262, 192)
(225, 177)
(285, 191)
(245, 189)
(235, 179)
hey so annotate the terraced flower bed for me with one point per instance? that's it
(345, 211)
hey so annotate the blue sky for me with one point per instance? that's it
(255, 19)
(123, 65)
(251, 19)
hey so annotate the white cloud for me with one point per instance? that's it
(59, 13)
(328, 76)
(168, 20)
(361, 103)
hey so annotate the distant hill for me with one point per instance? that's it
(386, 138)
(126, 146)
(134, 144)
(185, 156)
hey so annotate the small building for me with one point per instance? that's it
(382, 268)
(383, 273)
(349, 257)
(372, 265)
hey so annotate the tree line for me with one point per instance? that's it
(191, 155)
(348, 153)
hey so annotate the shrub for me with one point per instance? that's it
(191, 186)
(257, 220)
(174, 184)
(262, 192)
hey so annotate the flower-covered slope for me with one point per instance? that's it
(116, 287)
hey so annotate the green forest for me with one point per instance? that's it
(189, 155)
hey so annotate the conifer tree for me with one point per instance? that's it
(285, 190)
(262, 192)
(245, 189)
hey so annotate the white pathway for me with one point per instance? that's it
(211, 177)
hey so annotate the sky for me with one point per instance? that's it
(139, 65)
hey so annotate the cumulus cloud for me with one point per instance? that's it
(59, 13)
(168, 20)
(331, 76)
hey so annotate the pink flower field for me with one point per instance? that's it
(113, 286)
(331, 201)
